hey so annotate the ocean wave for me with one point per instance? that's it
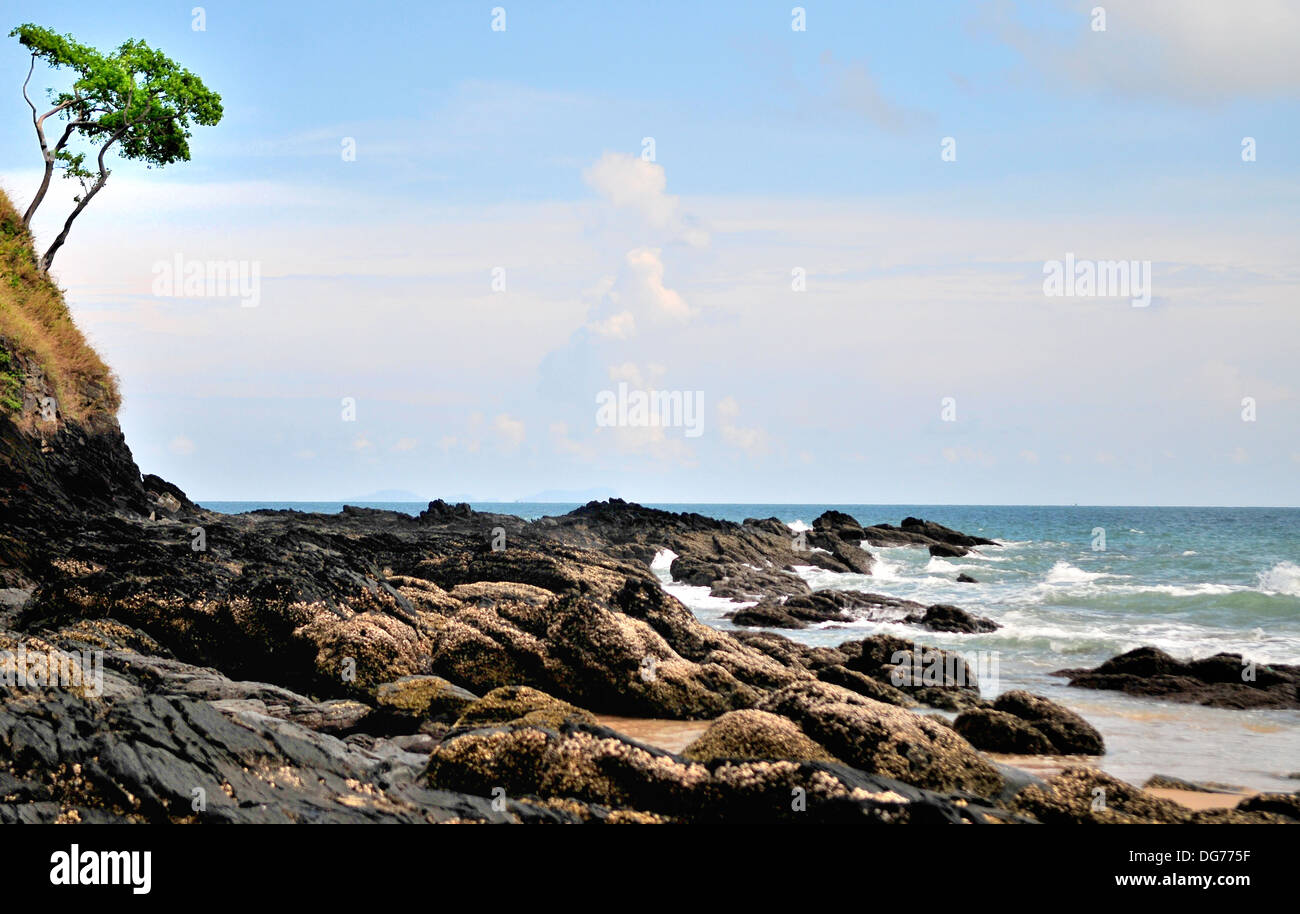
(1065, 573)
(663, 560)
(937, 565)
(1282, 578)
(885, 569)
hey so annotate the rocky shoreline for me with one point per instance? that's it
(371, 666)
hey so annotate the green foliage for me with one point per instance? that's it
(135, 93)
(10, 384)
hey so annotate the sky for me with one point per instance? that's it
(834, 239)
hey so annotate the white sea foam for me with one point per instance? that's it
(1065, 573)
(974, 554)
(937, 565)
(663, 560)
(1282, 578)
(702, 603)
(798, 525)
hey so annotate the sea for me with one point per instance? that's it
(1071, 586)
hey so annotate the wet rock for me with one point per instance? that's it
(1068, 733)
(998, 731)
(825, 606)
(917, 532)
(172, 759)
(1168, 782)
(964, 578)
(768, 614)
(927, 674)
(864, 685)
(1222, 681)
(1281, 804)
(943, 617)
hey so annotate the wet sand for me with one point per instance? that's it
(1044, 766)
(669, 735)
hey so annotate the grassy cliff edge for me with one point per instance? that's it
(37, 330)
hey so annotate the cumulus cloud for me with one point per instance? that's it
(181, 446)
(637, 296)
(629, 182)
(619, 326)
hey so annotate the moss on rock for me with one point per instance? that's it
(522, 704)
(753, 734)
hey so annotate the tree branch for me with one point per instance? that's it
(82, 203)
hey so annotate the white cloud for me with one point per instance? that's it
(181, 446)
(637, 297)
(630, 182)
(510, 430)
(619, 326)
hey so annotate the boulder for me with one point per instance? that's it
(753, 734)
(1068, 733)
(884, 739)
(520, 703)
(943, 617)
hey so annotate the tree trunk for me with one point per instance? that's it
(81, 204)
(67, 226)
(49, 171)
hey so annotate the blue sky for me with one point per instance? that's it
(774, 150)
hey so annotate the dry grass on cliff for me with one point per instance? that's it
(35, 321)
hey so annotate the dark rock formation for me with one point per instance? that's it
(824, 606)
(1023, 723)
(945, 618)
(1168, 782)
(1088, 796)
(1221, 681)
(917, 532)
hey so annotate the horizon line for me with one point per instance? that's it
(878, 504)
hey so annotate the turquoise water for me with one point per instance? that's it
(1191, 581)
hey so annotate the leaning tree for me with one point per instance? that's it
(135, 98)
